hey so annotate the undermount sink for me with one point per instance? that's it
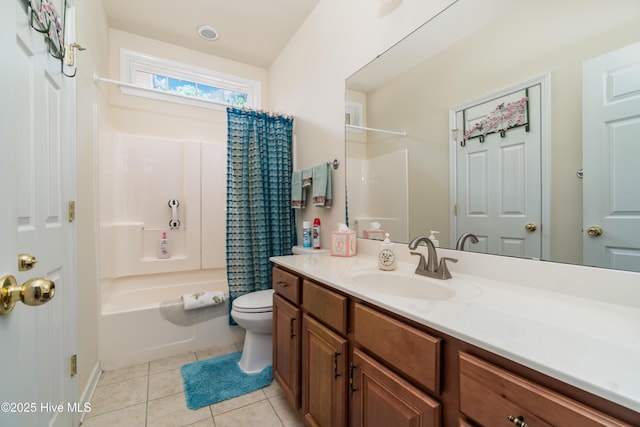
(404, 285)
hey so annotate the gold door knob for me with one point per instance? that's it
(594, 231)
(530, 227)
(36, 291)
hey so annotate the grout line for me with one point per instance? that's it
(275, 411)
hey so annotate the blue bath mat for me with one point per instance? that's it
(219, 378)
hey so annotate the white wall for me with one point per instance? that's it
(307, 79)
(92, 124)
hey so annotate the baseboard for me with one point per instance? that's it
(87, 393)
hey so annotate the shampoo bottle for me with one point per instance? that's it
(387, 256)
(306, 234)
(163, 246)
(434, 239)
(316, 233)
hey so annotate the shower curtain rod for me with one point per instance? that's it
(392, 132)
(97, 78)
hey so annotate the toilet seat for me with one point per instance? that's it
(254, 302)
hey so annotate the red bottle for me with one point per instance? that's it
(316, 233)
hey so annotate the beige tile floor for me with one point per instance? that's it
(151, 395)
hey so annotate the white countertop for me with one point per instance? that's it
(583, 341)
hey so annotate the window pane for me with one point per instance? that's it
(235, 98)
(171, 78)
(161, 82)
(209, 93)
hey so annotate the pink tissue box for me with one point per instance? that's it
(343, 243)
(374, 234)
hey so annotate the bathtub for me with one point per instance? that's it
(142, 318)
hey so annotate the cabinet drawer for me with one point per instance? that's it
(408, 350)
(489, 395)
(325, 305)
(286, 285)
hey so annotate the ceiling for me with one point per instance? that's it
(251, 31)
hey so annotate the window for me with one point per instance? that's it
(175, 82)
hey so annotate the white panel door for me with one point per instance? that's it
(498, 181)
(38, 180)
(611, 155)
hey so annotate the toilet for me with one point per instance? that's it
(253, 312)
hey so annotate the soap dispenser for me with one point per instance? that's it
(387, 256)
(434, 239)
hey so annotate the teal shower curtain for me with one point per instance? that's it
(260, 220)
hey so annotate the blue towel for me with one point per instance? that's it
(298, 194)
(321, 191)
(307, 177)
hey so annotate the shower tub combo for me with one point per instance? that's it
(142, 317)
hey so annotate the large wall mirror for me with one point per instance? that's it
(408, 110)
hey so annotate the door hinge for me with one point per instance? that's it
(71, 211)
(74, 364)
(455, 209)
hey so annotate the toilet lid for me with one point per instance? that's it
(254, 302)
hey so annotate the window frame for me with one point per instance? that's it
(132, 61)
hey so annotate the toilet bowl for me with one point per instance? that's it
(254, 313)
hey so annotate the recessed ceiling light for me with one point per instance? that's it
(207, 32)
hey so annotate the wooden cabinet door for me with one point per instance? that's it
(286, 348)
(324, 375)
(380, 398)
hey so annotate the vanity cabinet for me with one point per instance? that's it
(343, 361)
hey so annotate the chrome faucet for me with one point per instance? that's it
(463, 239)
(430, 266)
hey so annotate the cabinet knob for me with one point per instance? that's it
(518, 421)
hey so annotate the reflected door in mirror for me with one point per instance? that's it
(611, 152)
(498, 174)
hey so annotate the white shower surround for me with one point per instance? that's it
(368, 181)
(138, 176)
